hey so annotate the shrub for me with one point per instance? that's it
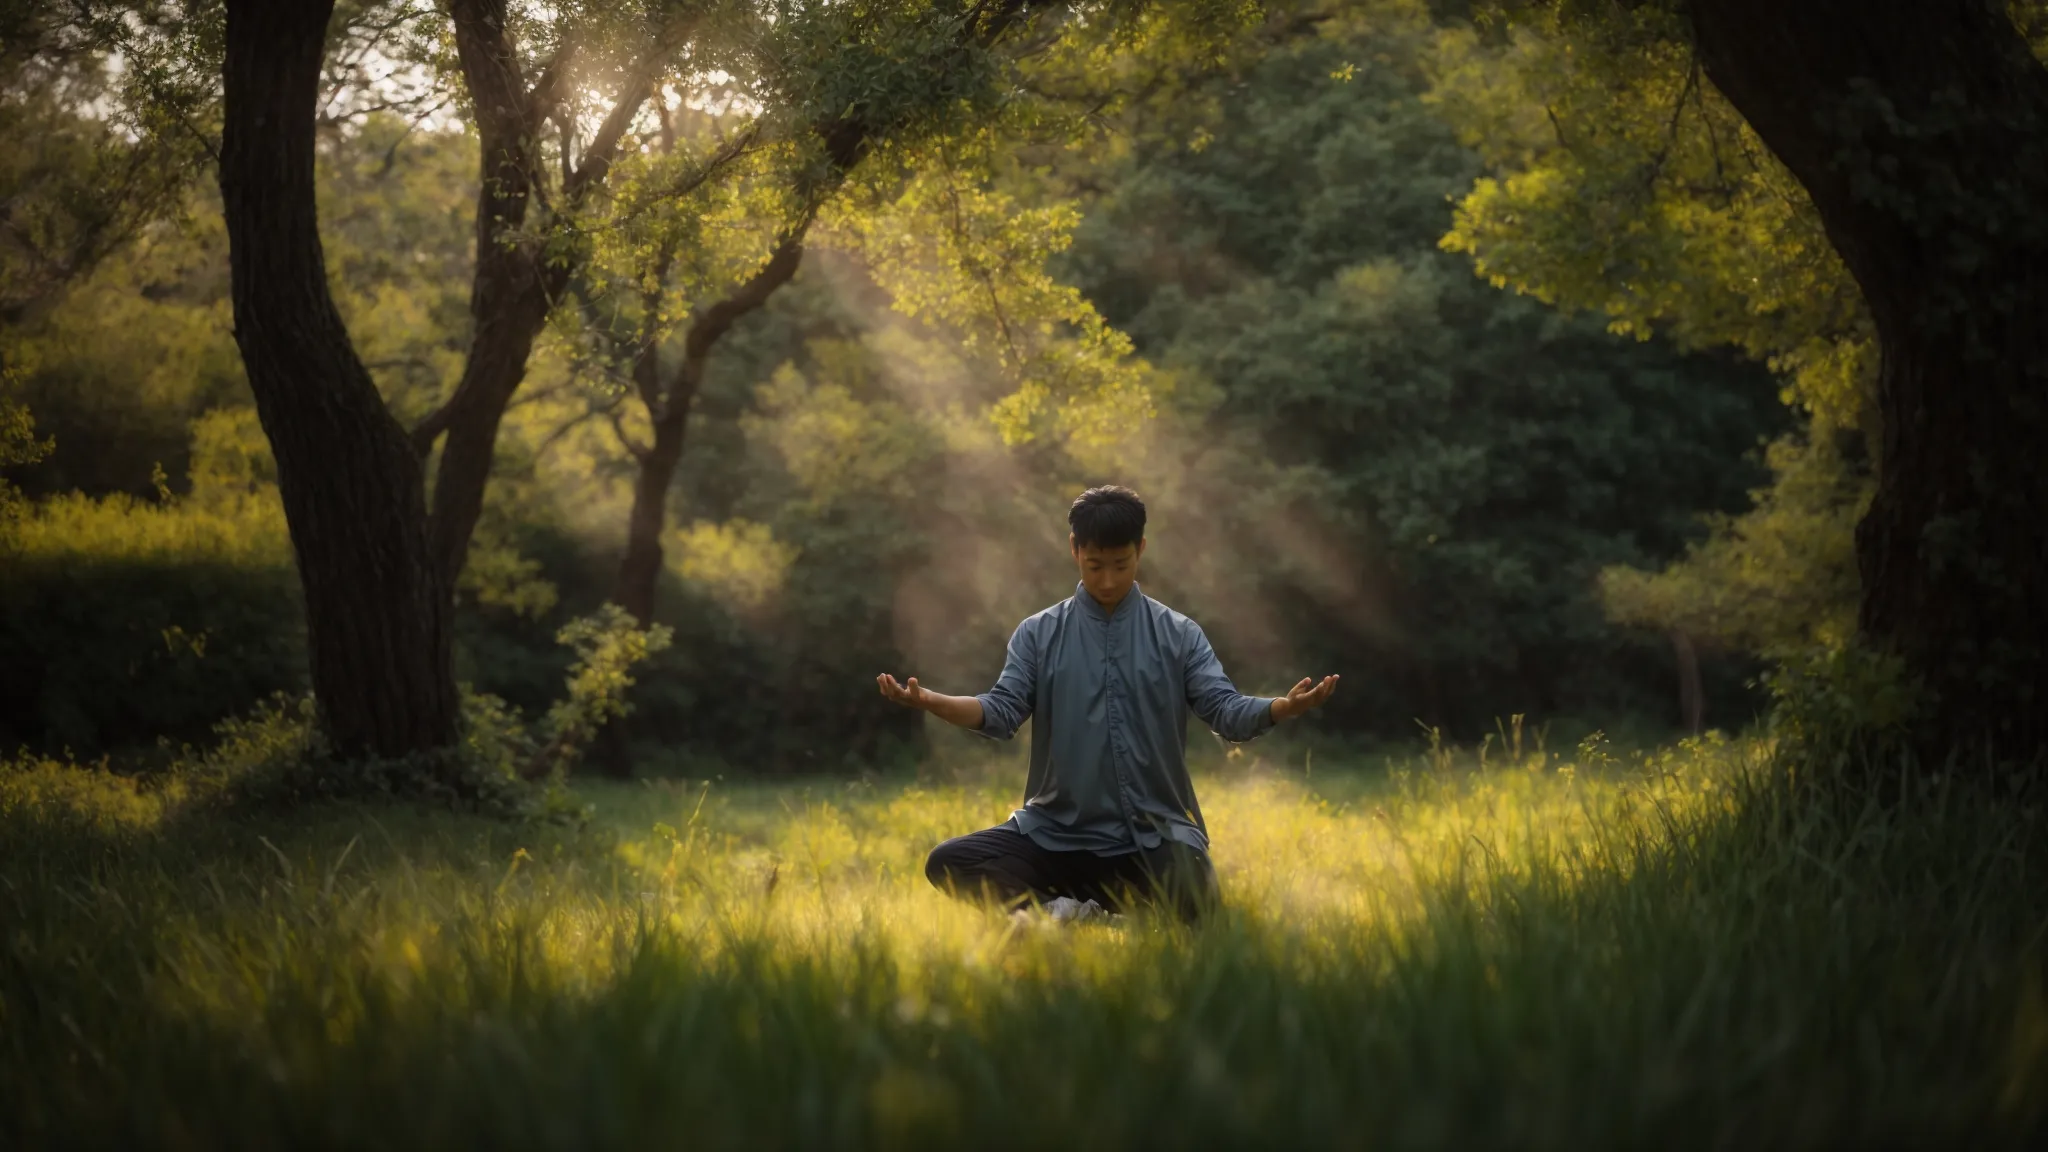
(274, 757)
(124, 621)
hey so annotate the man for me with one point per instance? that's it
(1108, 678)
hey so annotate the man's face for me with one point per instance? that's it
(1107, 573)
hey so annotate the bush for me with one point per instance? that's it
(124, 621)
(274, 757)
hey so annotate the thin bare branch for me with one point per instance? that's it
(411, 126)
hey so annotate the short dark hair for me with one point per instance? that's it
(1111, 516)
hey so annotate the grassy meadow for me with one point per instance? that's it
(1670, 948)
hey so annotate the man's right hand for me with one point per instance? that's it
(909, 695)
(963, 711)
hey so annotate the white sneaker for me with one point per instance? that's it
(1064, 909)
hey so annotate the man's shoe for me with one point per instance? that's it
(1066, 909)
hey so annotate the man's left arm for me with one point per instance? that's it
(1231, 714)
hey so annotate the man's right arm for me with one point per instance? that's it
(1005, 707)
(997, 713)
(964, 711)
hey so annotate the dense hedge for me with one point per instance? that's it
(122, 621)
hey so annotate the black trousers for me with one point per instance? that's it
(1008, 866)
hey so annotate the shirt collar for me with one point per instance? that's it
(1095, 611)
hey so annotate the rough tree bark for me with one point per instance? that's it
(376, 611)
(1921, 132)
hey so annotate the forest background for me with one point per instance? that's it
(404, 410)
(1249, 263)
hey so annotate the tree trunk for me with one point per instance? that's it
(1921, 132)
(1692, 695)
(514, 287)
(509, 307)
(508, 300)
(640, 569)
(376, 617)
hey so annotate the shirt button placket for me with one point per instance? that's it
(1117, 750)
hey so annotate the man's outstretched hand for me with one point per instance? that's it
(910, 695)
(1302, 697)
(964, 711)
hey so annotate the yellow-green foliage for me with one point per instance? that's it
(123, 620)
(1774, 580)
(608, 645)
(739, 562)
(1460, 952)
(955, 250)
(80, 530)
(18, 445)
(1624, 183)
(128, 356)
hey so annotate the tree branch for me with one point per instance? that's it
(553, 83)
(490, 67)
(604, 147)
(998, 21)
(1692, 80)
(638, 450)
(429, 430)
(732, 150)
(717, 320)
(647, 347)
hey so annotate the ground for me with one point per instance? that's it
(1666, 949)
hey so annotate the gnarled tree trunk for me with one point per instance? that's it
(376, 610)
(1921, 132)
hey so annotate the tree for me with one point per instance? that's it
(94, 153)
(1918, 144)
(377, 607)
(922, 75)
(524, 261)
(1622, 184)
(1923, 142)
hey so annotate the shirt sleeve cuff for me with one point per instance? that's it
(989, 714)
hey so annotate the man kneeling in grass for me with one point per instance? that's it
(1108, 678)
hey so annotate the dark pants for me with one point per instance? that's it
(1009, 866)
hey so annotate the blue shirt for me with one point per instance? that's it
(1108, 695)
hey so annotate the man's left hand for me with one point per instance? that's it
(1302, 697)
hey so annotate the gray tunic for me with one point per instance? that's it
(1108, 695)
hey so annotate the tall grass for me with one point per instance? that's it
(1679, 950)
